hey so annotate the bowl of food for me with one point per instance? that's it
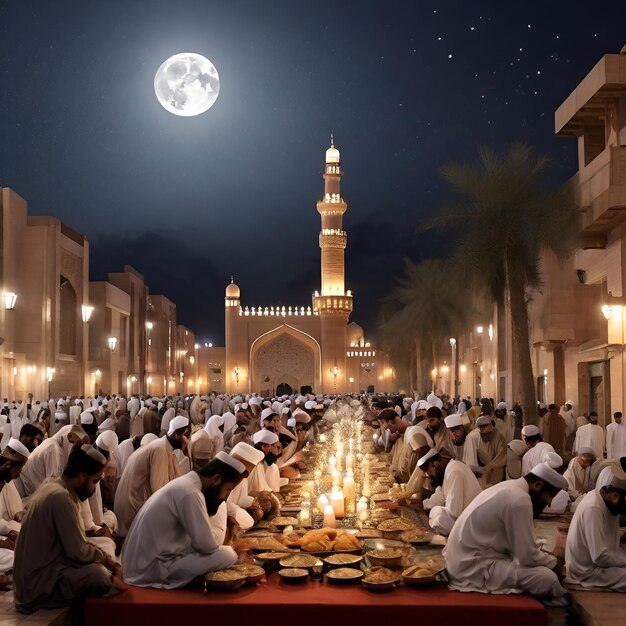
(344, 575)
(254, 573)
(283, 522)
(418, 575)
(395, 527)
(229, 579)
(301, 561)
(343, 559)
(417, 537)
(386, 557)
(380, 579)
(268, 544)
(293, 574)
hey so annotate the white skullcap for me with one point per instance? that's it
(549, 475)
(86, 417)
(553, 460)
(265, 414)
(287, 402)
(147, 438)
(76, 400)
(570, 402)
(585, 452)
(309, 404)
(319, 407)
(178, 422)
(300, 416)
(541, 405)
(530, 430)
(422, 405)
(453, 421)
(255, 400)
(501, 406)
(238, 466)
(618, 480)
(300, 399)
(18, 447)
(248, 453)
(265, 436)
(484, 420)
(267, 403)
(518, 446)
(286, 411)
(426, 457)
(291, 422)
(107, 441)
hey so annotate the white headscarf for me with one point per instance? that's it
(212, 426)
(230, 423)
(168, 416)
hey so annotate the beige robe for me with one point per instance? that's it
(492, 458)
(10, 506)
(50, 542)
(147, 470)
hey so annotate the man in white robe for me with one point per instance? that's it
(492, 546)
(590, 436)
(578, 473)
(537, 448)
(171, 542)
(148, 469)
(458, 485)
(246, 509)
(616, 438)
(49, 459)
(464, 444)
(594, 557)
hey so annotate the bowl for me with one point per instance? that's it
(344, 576)
(301, 561)
(254, 573)
(225, 580)
(386, 557)
(293, 574)
(380, 579)
(418, 575)
(343, 559)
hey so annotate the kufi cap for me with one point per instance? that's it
(427, 457)
(553, 460)
(310, 404)
(61, 402)
(542, 405)
(238, 466)
(265, 436)
(501, 406)
(286, 411)
(422, 405)
(244, 406)
(319, 407)
(255, 400)
(434, 400)
(484, 420)
(530, 430)
(549, 475)
(586, 452)
(147, 438)
(96, 455)
(77, 400)
(300, 416)
(287, 402)
(107, 441)
(200, 445)
(247, 452)
(619, 478)
(178, 422)
(16, 450)
(453, 421)
(518, 446)
(265, 414)
(75, 429)
(267, 403)
(570, 402)
(291, 422)
(107, 425)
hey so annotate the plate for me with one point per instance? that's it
(293, 574)
(299, 560)
(344, 575)
(342, 559)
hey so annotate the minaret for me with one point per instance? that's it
(333, 303)
(236, 374)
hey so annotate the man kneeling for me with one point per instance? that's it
(170, 542)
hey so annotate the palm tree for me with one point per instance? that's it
(506, 216)
(431, 307)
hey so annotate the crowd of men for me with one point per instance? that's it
(99, 493)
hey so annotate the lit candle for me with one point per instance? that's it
(349, 491)
(361, 510)
(336, 478)
(322, 502)
(336, 500)
(329, 516)
(349, 461)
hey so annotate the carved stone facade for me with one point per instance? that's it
(285, 360)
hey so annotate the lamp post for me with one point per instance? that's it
(454, 377)
(147, 364)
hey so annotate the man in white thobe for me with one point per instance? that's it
(241, 505)
(578, 473)
(590, 436)
(148, 470)
(458, 485)
(616, 438)
(492, 547)
(593, 555)
(537, 448)
(464, 444)
(171, 541)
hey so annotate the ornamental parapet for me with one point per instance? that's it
(278, 311)
(332, 304)
(333, 241)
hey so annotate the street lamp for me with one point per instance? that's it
(112, 341)
(86, 311)
(453, 379)
(9, 300)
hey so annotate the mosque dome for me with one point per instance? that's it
(332, 155)
(233, 291)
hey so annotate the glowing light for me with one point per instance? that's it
(479, 330)
(607, 311)
(10, 299)
(86, 311)
(112, 342)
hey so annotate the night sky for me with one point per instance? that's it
(405, 86)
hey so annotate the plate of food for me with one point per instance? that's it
(283, 521)
(387, 557)
(344, 575)
(229, 579)
(417, 537)
(343, 559)
(380, 579)
(253, 573)
(418, 575)
(300, 560)
(293, 574)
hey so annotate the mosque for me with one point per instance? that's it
(310, 348)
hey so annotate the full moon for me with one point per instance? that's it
(187, 84)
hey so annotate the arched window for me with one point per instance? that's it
(68, 318)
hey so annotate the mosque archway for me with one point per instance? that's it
(285, 356)
(284, 389)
